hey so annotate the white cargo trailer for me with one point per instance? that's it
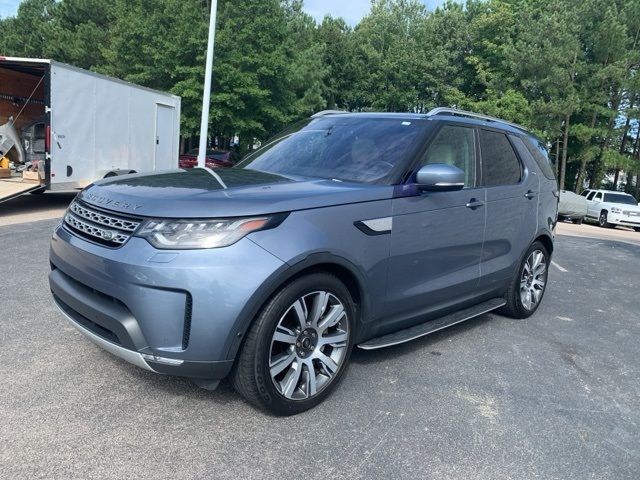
(80, 126)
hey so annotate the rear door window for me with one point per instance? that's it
(500, 166)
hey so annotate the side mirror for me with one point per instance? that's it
(440, 177)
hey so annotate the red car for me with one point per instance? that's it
(213, 159)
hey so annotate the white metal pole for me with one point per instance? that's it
(204, 122)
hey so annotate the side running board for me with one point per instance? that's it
(431, 326)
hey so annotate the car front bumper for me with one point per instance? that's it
(172, 312)
(623, 220)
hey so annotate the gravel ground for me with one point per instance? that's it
(554, 396)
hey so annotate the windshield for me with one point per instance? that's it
(620, 198)
(351, 149)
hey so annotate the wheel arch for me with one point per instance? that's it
(546, 241)
(342, 268)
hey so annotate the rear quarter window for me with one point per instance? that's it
(539, 153)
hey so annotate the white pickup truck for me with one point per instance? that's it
(609, 208)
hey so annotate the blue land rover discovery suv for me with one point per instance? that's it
(365, 229)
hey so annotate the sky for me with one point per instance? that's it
(351, 10)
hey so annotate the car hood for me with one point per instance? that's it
(202, 193)
(625, 207)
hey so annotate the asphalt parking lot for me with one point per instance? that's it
(554, 396)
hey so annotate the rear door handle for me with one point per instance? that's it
(530, 194)
(473, 204)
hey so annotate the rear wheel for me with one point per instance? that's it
(529, 284)
(297, 349)
(578, 221)
(603, 220)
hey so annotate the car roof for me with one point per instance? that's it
(442, 117)
(606, 191)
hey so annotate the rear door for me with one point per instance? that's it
(512, 208)
(73, 131)
(436, 238)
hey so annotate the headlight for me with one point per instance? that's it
(616, 210)
(191, 234)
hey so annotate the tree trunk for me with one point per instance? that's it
(616, 177)
(557, 162)
(565, 144)
(599, 171)
(581, 173)
(625, 131)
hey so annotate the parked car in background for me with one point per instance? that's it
(572, 207)
(367, 229)
(213, 159)
(609, 208)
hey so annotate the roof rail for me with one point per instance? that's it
(464, 113)
(327, 112)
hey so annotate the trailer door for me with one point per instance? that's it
(164, 137)
(73, 135)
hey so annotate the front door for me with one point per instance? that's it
(436, 238)
(594, 199)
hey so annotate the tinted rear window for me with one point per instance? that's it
(500, 166)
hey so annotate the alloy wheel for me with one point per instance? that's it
(603, 219)
(533, 280)
(309, 345)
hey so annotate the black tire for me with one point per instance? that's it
(251, 376)
(602, 220)
(578, 221)
(515, 307)
(637, 229)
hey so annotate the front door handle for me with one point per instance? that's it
(530, 194)
(473, 204)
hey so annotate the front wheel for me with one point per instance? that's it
(298, 347)
(603, 220)
(529, 284)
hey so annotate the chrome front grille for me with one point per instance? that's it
(104, 228)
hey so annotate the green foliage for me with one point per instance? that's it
(567, 70)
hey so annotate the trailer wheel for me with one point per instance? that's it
(115, 173)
